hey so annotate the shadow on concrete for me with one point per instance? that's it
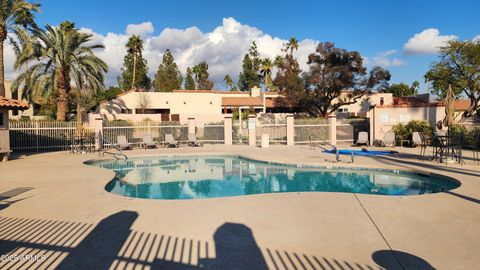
(7, 195)
(463, 197)
(112, 244)
(407, 260)
(412, 160)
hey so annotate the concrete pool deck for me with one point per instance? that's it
(68, 221)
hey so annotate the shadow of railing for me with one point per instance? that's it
(111, 244)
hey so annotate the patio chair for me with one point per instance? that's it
(148, 142)
(170, 141)
(362, 138)
(122, 142)
(389, 139)
(192, 140)
(416, 139)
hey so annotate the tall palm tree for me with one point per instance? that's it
(134, 46)
(266, 71)
(292, 45)
(61, 55)
(228, 82)
(13, 15)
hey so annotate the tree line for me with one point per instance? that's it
(60, 71)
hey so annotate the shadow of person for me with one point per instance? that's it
(390, 259)
(236, 249)
(100, 247)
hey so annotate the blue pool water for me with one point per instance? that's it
(360, 152)
(195, 177)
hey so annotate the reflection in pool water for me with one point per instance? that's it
(193, 177)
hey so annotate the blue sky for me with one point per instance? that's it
(379, 30)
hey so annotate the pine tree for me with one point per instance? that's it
(189, 81)
(168, 77)
(201, 76)
(250, 75)
(134, 70)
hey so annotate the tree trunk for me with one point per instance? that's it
(3, 36)
(63, 85)
(134, 69)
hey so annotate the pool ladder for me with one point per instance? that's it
(117, 154)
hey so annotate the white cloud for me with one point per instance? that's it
(223, 48)
(476, 39)
(427, 42)
(142, 29)
(384, 59)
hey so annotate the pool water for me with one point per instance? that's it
(195, 177)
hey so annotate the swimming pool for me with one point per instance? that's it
(195, 177)
(360, 152)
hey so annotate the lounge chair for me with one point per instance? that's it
(416, 139)
(148, 142)
(192, 140)
(170, 141)
(389, 139)
(122, 142)
(362, 138)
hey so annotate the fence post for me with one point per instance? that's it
(252, 136)
(290, 130)
(227, 130)
(98, 125)
(332, 129)
(36, 135)
(191, 125)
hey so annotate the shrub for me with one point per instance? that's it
(244, 115)
(406, 131)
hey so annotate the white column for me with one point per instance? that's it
(290, 130)
(227, 130)
(332, 129)
(191, 125)
(98, 125)
(252, 136)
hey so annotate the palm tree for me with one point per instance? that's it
(13, 15)
(292, 45)
(134, 46)
(228, 81)
(266, 71)
(60, 56)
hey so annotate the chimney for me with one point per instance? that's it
(255, 91)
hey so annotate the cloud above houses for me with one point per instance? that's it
(428, 41)
(223, 49)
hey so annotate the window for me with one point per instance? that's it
(127, 111)
(1, 119)
(382, 101)
(342, 110)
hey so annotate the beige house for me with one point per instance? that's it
(16, 113)
(179, 105)
(7, 105)
(402, 110)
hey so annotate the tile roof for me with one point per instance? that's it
(241, 101)
(461, 105)
(12, 104)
